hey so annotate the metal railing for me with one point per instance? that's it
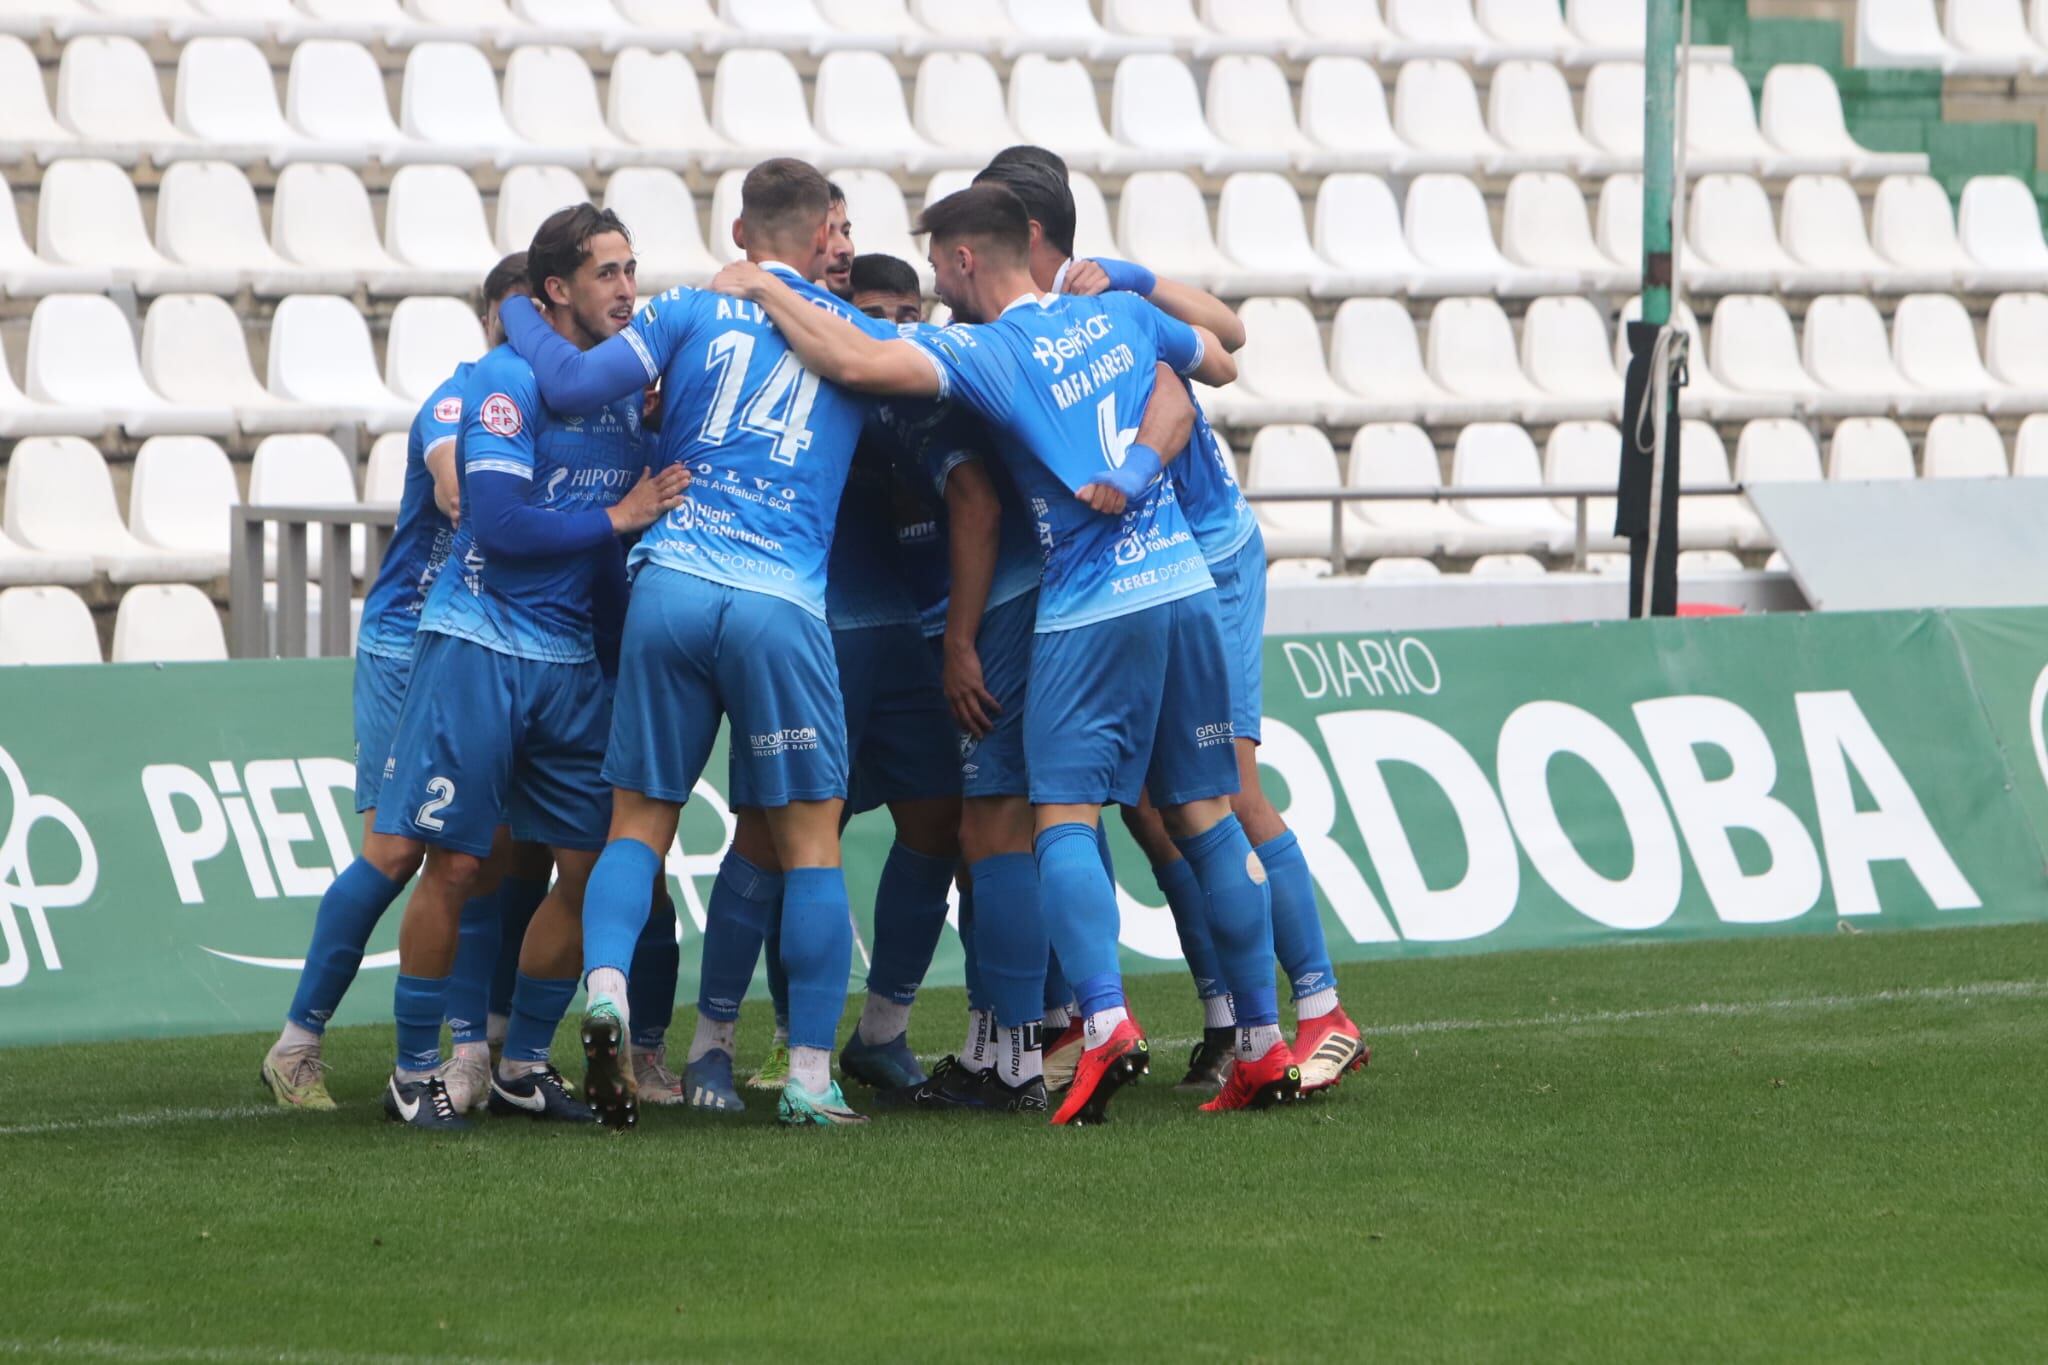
(248, 632)
(1338, 498)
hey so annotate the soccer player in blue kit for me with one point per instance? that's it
(1327, 1044)
(1130, 681)
(358, 898)
(505, 717)
(727, 618)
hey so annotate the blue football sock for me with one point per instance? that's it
(1191, 921)
(615, 904)
(970, 951)
(1079, 903)
(735, 923)
(1240, 917)
(1058, 992)
(1297, 924)
(910, 912)
(518, 898)
(778, 975)
(1012, 936)
(817, 952)
(538, 1004)
(651, 985)
(416, 1003)
(349, 912)
(476, 961)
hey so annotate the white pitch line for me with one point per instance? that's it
(1733, 1009)
(61, 1348)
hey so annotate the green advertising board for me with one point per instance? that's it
(166, 831)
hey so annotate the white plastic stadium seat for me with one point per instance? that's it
(449, 98)
(44, 625)
(1754, 350)
(207, 222)
(1388, 456)
(958, 104)
(1544, 226)
(81, 354)
(24, 274)
(1471, 351)
(1612, 110)
(2016, 340)
(434, 223)
(429, 337)
(88, 215)
(1865, 448)
(167, 623)
(881, 220)
(1999, 224)
(1567, 352)
(1164, 222)
(1260, 227)
(1935, 343)
(60, 499)
(685, 25)
(1586, 455)
(1302, 570)
(1448, 230)
(1721, 129)
(1608, 29)
(1375, 354)
(1285, 457)
(334, 93)
(227, 98)
(1282, 373)
(1053, 104)
(1358, 230)
(21, 415)
(1156, 113)
(1736, 247)
(1823, 230)
(384, 471)
(302, 471)
(1716, 520)
(27, 127)
(1250, 106)
(551, 102)
(107, 93)
(1172, 23)
(1501, 455)
(1913, 226)
(1344, 27)
(1527, 29)
(1436, 108)
(320, 354)
(320, 218)
(576, 23)
(1802, 115)
(527, 195)
(1344, 110)
(1777, 449)
(362, 21)
(861, 110)
(656, 102)
(725, 210)
(1440, 29)
(1509, 566)
(657, 206)
(2030, 448)
(1403, 569)
(1968, 446)
(179, 495)
(194, 351)
(757, 104)
(1529, 111)
(1241, 26)
(1707, 395)
(796, 25)
(942, 26)
(1906, 33)
(1846, 350)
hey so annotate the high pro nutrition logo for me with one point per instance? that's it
(25, 901)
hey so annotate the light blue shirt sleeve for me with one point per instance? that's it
(971, 371)
(1180, 345)
(500, 430)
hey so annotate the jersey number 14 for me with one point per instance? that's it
(779, 410)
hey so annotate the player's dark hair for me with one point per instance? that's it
(782, 196)
(562, 243)
(877, 272)
(990, 212)
(1026, 153)
(1043, 190)
(836, 196)
(506, 276)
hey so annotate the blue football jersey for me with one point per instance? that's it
(539, 608)
(865, 583)
(1064, 382)
(1209, 497)
(766, 441)
(420, 541)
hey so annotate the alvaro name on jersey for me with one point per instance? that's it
(1064, 381)
(539, 608)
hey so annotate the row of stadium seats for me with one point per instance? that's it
(1396, 456)
(1970, 37)
(451, 110)
(61, 523)
(1692, 564)
(1468, 365)
(1588, 30)
(155, 623)
(1354, 240)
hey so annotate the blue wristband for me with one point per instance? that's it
(1141, 465)
(1128, 276)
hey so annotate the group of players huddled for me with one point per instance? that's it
(994, 576)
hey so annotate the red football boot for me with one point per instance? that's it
(1327, 1049)
(1101, 1072)
(1271, 1079)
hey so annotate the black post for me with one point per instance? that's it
(1633, 514)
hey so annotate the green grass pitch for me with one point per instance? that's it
(1775, 1149)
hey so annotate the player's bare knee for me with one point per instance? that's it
(806, 833)
(1195, 817)
(931, 828)
(396, 857)
(453, 871)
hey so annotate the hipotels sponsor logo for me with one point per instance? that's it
(1708, 796)
(791, 740)
(24, 900)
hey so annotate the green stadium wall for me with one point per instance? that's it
(166, 832)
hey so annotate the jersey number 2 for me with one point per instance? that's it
(780, 410)
(442, 792)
